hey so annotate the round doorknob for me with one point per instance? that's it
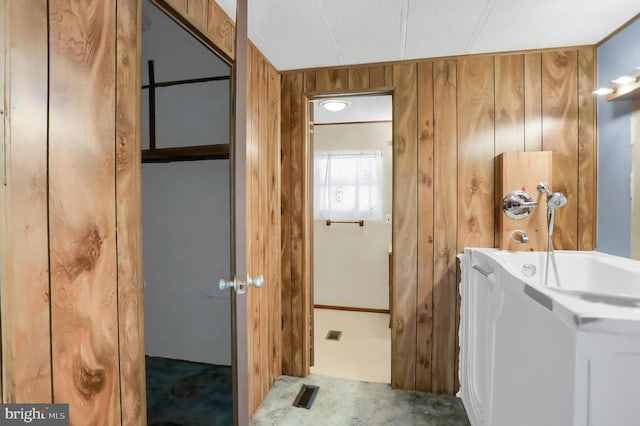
(255, 281)
(225, 284)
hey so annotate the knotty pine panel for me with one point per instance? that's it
(476, 146)
(285, 226)
(405, 227)
(560, 135)
(129, 229)
(445, 207)
(509, 108)
(587, 150)
(26, 353)
(424, 310)
(82, 220)
(533, 102)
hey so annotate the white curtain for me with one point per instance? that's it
(348, 185)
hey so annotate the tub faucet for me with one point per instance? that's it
(520, 236)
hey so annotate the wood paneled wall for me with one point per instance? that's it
(71, 247)
(263, 226)
(452, 116)
(70, 228)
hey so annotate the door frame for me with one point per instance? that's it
(237, 177)
(307, 215)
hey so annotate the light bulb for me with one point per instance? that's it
(603, 91)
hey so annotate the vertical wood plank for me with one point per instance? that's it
(198, 11)
(221, 29)
(4, 204)
(332, 80)
(26, 354)
(475, 152)
(587, 151)
(533, 101)
(424, 311)
(560, 135)
(509, 99)
(275, 368)
(445, 207)
(254, 172)
(82, 211)
(286, 163)
(298, 321)
(129, 229)
(358, 78)
(376, 76)
(388, 76)
(263, 194)
(403, 350)
(309, 81)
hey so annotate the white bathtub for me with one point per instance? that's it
(532, 355)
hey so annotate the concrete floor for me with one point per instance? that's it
(349, 402)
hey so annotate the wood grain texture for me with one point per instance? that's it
(332, 80)
(285, 226)
(475, 152)
(273, 260)
(587, 150)
(198, 11)
(5, 211)
(309, 81)
(404, 234)
(298, 320)
(424, 308)
(179, 6)
(560, 105)
(221, 29)
(263, 196)
(533, 102)
(26, 354)
(376, 76)
(253, 213)
(522, 171)
(128, 207)
(516, 82)
(445, 207)
(509, 103)
(358, 78)
(82, 216)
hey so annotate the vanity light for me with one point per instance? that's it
(604, 91)
(334, 105)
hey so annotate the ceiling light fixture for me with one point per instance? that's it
(625, 79)
(334, 105)
(604, 91)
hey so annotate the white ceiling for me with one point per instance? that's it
(296, 34)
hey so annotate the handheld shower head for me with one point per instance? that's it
(556, 200)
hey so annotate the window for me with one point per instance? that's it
(348, 185)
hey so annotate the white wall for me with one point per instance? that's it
(186, 115)
(351, 262)
(185, 206)
(186, 243)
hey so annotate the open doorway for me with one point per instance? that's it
(352, 199)
(186, 225)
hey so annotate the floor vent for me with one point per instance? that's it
(334, 335)
(306, 396)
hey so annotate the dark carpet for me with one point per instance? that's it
(188, 394)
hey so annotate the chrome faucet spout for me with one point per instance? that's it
(520, 236)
